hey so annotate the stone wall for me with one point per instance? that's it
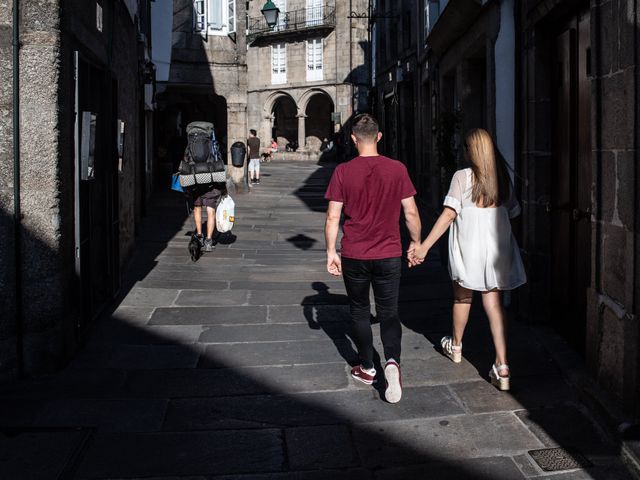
(43, 267)
(613, 333)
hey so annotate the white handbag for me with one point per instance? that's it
(225, 214)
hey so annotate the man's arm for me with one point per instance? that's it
(412, 219)
(331, 227)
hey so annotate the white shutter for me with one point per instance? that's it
(314, 59)
(200, 15)
(279, 63)
(314, 12)
(231, 16)
(215, 14)
(282, 18)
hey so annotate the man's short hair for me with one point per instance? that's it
(253, 132)
(365, 127)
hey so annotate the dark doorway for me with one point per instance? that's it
(318, 126)
(390, 132)
(285, 121)
(570, 207)
(96, 190)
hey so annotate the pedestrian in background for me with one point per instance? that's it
(483, 254)
(372, 190)
(253, 151)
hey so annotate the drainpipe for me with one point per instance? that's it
(17, 215)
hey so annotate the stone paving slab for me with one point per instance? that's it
(336, 407)
(272, 353)
(441, 439)
(226, 382)
(492, 468)
(324, 446)
(208, 315)
(132, 357)
(109, 415)
(193, 453)
(38, 454)
(149, 297)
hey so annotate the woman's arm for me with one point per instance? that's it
(445, 219)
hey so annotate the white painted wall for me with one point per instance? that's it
(505, 59)
(161, 31)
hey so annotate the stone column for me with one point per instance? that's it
(236, 132)
(302, 132)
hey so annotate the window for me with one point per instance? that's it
(314, 60)
(217, 17)
(431, 13)
(314, 12)
(283, 19)
(278, 63)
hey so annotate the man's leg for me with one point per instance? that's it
(357, 281)
(386, 289)
(257, 171)
(197, 219)
(211, 221)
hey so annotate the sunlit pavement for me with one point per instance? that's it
(237, 367)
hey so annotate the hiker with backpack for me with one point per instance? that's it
(203, 178)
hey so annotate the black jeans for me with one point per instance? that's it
(384, 276)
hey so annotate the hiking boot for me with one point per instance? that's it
(393, 378)
(208, 245)
(363, 375)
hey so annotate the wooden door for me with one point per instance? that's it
(570, 205)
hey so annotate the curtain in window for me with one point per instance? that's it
(314, 59)
(200, 15)
(215, 14)
(231, 16)
(279, 63)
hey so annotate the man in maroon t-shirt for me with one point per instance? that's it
(372, 190)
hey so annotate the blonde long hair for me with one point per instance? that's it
(491, 182)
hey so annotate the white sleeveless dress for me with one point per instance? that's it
(483, 254)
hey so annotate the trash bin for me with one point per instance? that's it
(238, 153)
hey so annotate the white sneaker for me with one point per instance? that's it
(393, 377)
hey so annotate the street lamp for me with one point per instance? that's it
(270, 12)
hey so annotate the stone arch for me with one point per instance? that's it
(303, 102)
(318, 106)
(281, 123)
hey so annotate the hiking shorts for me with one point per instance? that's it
(206, 196)
(254, 165)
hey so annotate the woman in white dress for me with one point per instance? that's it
(483, 254)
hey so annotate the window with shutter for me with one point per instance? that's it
(314, 12)
(216, 17)
(200, 15)
(314, 60)
(278, 63)
(231, 16)
(282, 18)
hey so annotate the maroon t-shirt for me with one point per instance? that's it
(371, 189)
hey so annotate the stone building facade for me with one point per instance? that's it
(308, 75)
(206, 79)
(579, 153)
(555, 83)
(84, 178)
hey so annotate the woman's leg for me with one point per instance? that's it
(492, 303)
(462, 298)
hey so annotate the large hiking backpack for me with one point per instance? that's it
(202, 163)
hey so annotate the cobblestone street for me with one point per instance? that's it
(237, 367)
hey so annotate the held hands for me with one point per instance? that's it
(416, 254)
(334, 264)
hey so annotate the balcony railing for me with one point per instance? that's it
(295, 21)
